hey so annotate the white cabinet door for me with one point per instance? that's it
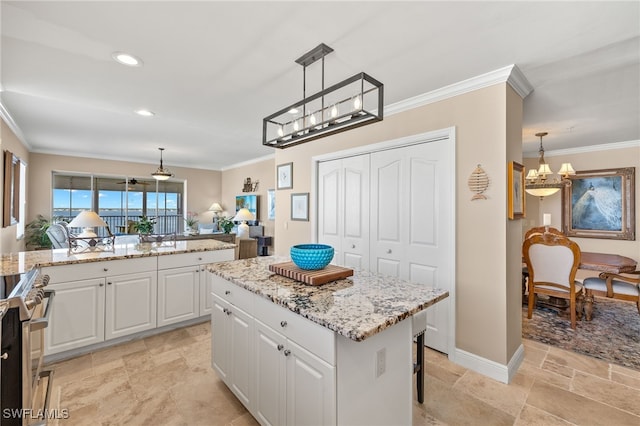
(311, 396)
(241, 347)
(130, 304)
(270, 375)
(233, 349)
(77, 318)
(206, 303)
(220, 353)
(178, 294)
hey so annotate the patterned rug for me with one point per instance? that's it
(613, 334)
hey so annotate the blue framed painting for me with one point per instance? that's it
(249, 202)
(600, 204)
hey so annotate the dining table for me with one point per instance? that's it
(605, 262)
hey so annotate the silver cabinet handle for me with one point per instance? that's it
(287, 352)
(353, 246)
(389, 251)
(109, 283)
(199, 258)
(227, 292)
(5, 356)
(283, 324)
(228, 312)
(101, 285)
(106, 269)
(280, 347)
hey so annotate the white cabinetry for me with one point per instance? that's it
(285, 374)
(100, 300)
(183, 285)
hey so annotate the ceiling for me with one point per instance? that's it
(213, 70)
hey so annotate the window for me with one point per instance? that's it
(119, 200)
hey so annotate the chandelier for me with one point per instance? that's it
(161, 173)
(352, 103)
(536, 180)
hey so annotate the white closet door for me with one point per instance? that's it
(343, 209)
(355, 242)
(410, 196)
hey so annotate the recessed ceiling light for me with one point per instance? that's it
(127, 59)
(145, 113)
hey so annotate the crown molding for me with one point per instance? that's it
(249, 162)
(585, 149)
(8, 119)
(510, 74)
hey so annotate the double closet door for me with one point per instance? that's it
(389, 212)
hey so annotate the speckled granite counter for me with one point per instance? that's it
(357, 307)
(17, 263)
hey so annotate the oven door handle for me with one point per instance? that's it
(40, 323)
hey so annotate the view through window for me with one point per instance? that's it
(120, 201)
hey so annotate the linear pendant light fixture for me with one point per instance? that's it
(352, 103)
(161, 173)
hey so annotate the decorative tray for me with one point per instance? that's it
(315, 277)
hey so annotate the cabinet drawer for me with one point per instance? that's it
(196, 258)
(232, 293)
(311, 336)
(83, 271)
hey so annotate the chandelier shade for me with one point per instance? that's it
(352, 103)
(536, 180)
(161, 173)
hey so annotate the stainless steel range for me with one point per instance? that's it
(24, 386)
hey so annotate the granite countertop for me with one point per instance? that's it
(18, 263)
(356, 307)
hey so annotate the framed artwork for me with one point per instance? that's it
(11, 209)
(249, 202)
(285, 176)
(300, 206)
(515, 196)
(271, 204)
(600, 204)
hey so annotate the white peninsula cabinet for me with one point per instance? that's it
(184, 290)
(97, 301)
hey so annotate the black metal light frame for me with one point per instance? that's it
(351, 119)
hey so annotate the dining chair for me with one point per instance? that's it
(525, 271)
(58, 235)
(552, 261)
(615, 286)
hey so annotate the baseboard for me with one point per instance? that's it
(500, 372)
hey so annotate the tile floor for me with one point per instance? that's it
(167, 380)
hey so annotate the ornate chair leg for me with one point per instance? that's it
(579, 304)
(588, 305)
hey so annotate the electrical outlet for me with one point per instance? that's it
(381, 362)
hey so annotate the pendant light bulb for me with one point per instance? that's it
(312, 119)
(334, 111)
(357, 103)
(281, 131)
(296, 126)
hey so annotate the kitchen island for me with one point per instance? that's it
(339, 353)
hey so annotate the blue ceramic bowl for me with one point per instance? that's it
(311, 256)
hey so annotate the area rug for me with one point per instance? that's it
(613, 335)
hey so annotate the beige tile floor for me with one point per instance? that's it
(167, 380)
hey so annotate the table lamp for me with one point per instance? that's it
(216, 208)
(87, 220)
(243, 216)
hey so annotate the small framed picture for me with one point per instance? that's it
(300, 206)
(271, 204)
(515, 195)
(285, 176)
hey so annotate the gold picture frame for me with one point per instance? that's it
(600, 204)
(515, 191)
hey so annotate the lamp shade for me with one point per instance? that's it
(242, 216)
(532, 175)
(544, 170)
(87, 220)
(566, 169)
(216, 208)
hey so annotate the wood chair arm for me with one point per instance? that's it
(610, 276)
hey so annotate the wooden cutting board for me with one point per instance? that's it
(316, 277)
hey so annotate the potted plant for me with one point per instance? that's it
(226, 224)
(145, 225)
(191, 222)
(36, 233)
